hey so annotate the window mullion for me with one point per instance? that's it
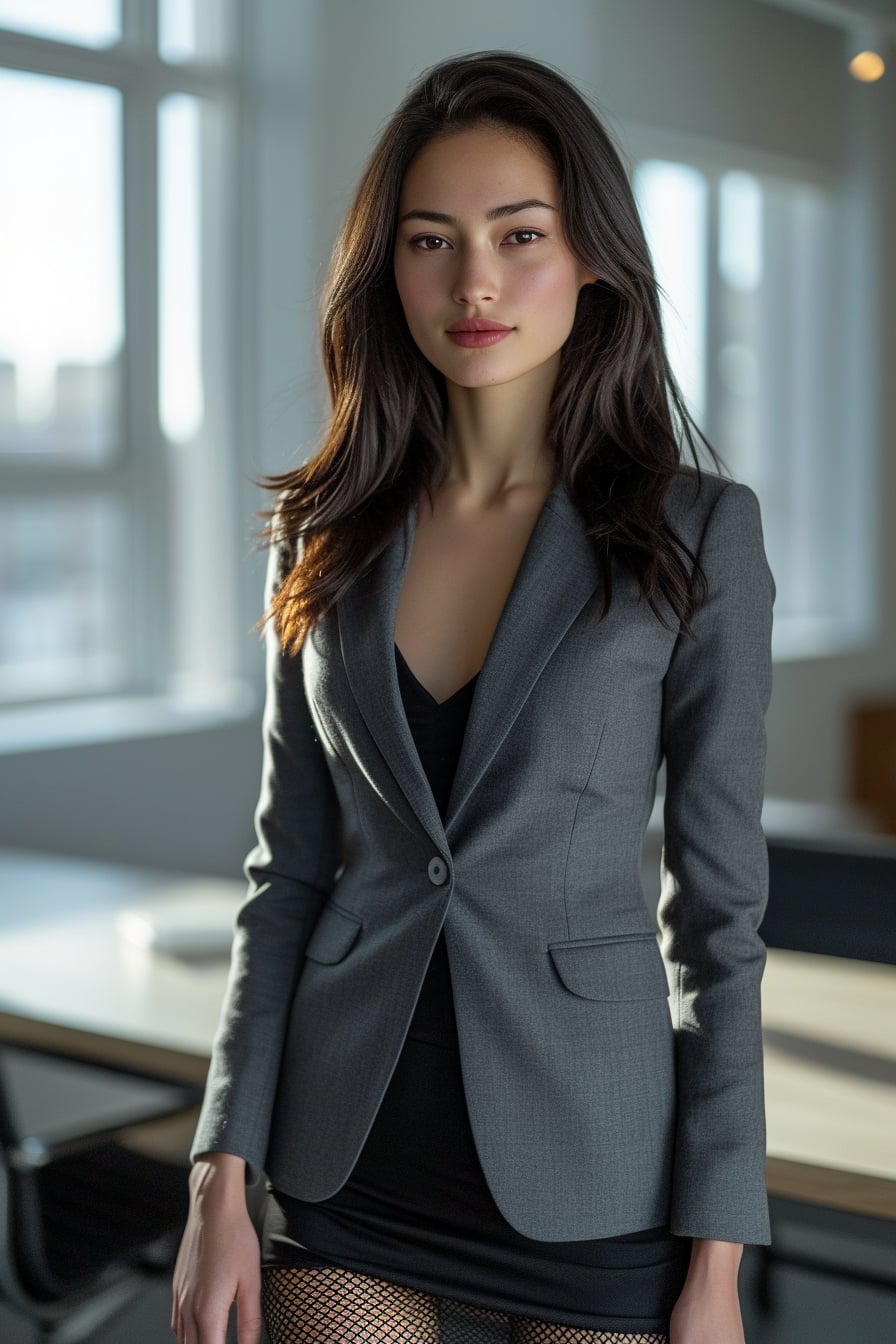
(140, 24)
(714, 326)
(148, 577)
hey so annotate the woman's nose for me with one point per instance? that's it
(475, 278)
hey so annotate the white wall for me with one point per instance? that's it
(732, 70)
(735, 70)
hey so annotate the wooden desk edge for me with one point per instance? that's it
(849, 1191)
(164, 1063)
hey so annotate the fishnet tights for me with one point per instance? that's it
(332, 1305)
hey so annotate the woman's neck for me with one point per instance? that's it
(497, 435)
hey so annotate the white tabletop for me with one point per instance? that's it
(70, 979)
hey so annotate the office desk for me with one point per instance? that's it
(68, 981)
(829, 1027)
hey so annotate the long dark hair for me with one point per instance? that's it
(617, 417)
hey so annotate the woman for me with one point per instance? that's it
(447, 1039)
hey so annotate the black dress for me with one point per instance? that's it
(416, 1209)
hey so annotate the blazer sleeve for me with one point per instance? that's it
(291, 871)
(714, 880)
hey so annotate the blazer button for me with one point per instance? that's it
(438, 871)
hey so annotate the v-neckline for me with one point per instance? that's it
(409, 536)
(439, 704)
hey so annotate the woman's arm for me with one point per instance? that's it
(291, 872)
(708, 1307)
(218, 1263)
(715, 880)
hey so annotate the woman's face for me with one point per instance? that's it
(453, 263)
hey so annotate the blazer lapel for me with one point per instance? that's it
(556, 577)
(367, 639)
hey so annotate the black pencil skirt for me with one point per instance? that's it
(417, 1210)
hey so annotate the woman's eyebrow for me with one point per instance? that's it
(497, 212)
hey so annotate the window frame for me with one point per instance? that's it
(847, 488)
(136, 474)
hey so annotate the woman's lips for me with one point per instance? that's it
(474, 339)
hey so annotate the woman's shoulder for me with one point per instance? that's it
(693, 496)
(720, 520)
(692, 489)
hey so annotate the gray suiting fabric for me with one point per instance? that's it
(534, 875)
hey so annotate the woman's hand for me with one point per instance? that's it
(708, 1307)
(219, 1261)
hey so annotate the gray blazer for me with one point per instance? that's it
(614, 1075)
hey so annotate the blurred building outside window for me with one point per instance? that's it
(119, 240)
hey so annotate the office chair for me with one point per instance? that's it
(86, 1224)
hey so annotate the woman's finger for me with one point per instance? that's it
(209, 1328)
(248, 1314)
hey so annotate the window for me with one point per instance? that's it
(92, 23)
(751, 262)
(118, 250)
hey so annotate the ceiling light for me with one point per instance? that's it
(867, 66)
(863, 53)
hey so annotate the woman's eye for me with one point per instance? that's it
(528, 236)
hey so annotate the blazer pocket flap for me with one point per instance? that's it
(333, 935)
(612, 968)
